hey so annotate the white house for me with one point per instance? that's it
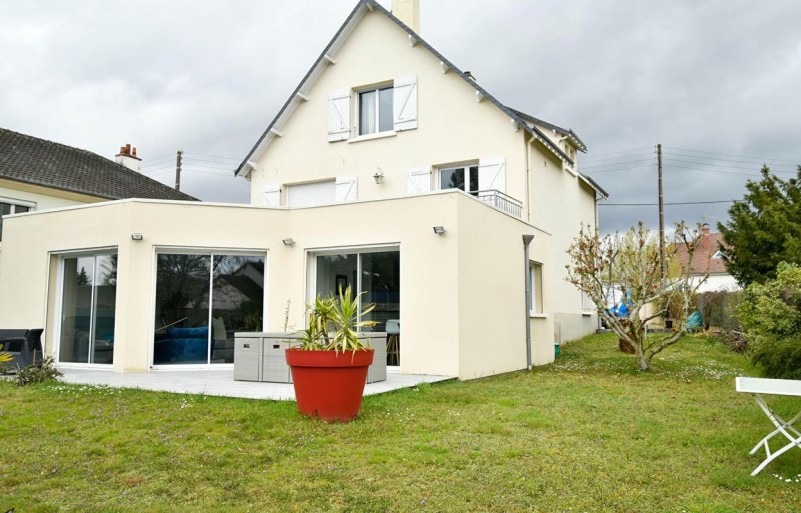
(388, 169)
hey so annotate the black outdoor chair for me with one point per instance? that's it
(23, 345)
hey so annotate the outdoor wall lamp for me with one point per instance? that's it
(136, 236)
(379, 176)
(439, 230)
(289, 241)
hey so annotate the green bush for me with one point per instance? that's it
(770, 313)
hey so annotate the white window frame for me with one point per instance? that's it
(358, 106)
(453, 167)
(59, 304)
(535, 288)
(211, 251)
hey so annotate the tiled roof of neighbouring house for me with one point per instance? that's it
(704, 255)
(28, 159)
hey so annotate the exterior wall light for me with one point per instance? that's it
(379, 176)
(136, 236)
(439, 230)
(289, 241)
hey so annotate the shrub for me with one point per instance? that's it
(38, 373)
(771, 316)
(719, 309)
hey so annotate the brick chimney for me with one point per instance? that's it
(408, 11)
(127, 157)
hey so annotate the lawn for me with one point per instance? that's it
(586, 434)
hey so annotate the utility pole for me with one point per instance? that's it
(180, 154)
(661, 216)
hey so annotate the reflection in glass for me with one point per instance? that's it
(188, 331)
(88, 308)
(237, 301)
(335, 272)
(464, 178)
(385, 121)
(381, 284)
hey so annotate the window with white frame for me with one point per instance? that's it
(11, 208)
(461, 177)
(390, 107)
(535, 287)
(375, 110)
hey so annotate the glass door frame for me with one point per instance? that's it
(311, 275)
(59, 305)
(212, 252)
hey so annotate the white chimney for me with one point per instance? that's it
(127, 157)
(408, 11)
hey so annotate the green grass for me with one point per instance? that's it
(587, 434)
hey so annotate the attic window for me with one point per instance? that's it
(718, 255)
(375, 110)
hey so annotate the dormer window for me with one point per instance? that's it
(375, 110)
(718, 255)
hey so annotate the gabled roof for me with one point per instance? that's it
(703, 256)
(327, 56)
(28, 159)
(564, 132)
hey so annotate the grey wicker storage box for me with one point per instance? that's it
(247, 358)
(260, 357)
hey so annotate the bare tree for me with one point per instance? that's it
(631, 264)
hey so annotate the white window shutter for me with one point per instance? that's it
(404, 103)
(492, 174)
(338, 115)
(346, 188)
(418, 179)
(271, 195)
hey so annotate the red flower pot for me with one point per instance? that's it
(329, 385)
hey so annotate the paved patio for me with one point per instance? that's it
(221, 382)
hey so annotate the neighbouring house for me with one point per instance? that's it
(37, 174)
(388, 169)
(708, 259)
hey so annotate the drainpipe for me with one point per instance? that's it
(526, 241)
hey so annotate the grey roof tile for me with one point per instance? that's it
(28, 159)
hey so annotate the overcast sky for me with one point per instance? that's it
(716, 82)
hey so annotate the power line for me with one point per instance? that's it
(671, 203)
(730, 155)
(618, 152)
(726, 166)
(594, 166)
(616, 158)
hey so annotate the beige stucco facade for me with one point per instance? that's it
(462, 294)
(458, 319)
(453, 127)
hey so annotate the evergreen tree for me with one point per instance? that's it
(763, 229)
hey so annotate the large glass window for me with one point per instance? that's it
(376, 273)
(201, 301)
(88, 309)
(375, 111)
(464, 178)
(10, 208)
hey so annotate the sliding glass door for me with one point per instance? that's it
(202, 299)
(88, 309)
(374, 272)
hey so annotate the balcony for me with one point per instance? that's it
(501, 201)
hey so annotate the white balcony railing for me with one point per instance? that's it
(501, 201)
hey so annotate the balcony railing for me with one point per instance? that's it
(501, 201)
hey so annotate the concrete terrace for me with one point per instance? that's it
(220, 382)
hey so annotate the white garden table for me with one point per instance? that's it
(758, 387)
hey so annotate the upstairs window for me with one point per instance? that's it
(375, 111)
(464, 178)
(10, 208)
